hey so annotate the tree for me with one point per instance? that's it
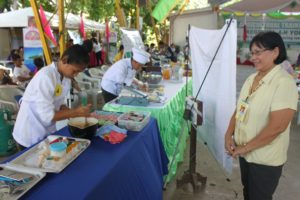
(5, 4)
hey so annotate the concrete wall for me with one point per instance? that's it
(4, 43)
(200, 18)
(10, 39)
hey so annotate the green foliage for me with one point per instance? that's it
(5, 4)
(98, 10)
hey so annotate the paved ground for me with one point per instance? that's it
(221, 187)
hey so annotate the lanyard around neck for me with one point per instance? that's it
(251, 91)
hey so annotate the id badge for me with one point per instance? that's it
(242, 111)
(58, 90)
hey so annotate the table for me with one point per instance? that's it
(130, 170)
(169, 117)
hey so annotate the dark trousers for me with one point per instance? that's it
(108, 96)
(99, 58)
(259, 181)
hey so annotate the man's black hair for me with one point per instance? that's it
(39, 62)
(88, 45)
(77, 54)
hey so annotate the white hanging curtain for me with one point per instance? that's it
(219, 90)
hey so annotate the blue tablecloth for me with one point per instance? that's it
(130, 170)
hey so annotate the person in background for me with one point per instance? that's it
(5, 79)
(97, 49)
(288, 67)
(152, 48)
(43, 101)
(258, 132)
(147, 48)
(12, 52)
(39, 63)
(21, 52)
(69, 43)
(123, 72)
(162, 48)
(170, 53)
(120, 53)
(21, 74)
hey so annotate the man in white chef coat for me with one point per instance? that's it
(123, 72)
(43, 101)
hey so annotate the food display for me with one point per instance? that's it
(105, 117)
(156, 94)
(14, 182)
(52, 154)
(134, 121)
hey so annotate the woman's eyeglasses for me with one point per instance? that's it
(258, 52)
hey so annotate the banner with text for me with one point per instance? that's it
(289, 29)
(32, 46)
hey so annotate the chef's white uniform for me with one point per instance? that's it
(119, 73)
(43, 96)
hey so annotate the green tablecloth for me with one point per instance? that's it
(170, 121)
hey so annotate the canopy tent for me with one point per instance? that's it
(19, 18)
(260, 6)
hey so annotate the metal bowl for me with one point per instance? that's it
(152, 78)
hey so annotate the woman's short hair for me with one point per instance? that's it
(270, 40)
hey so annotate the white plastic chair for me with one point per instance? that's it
(104, 68)
(9, 95)
(96, 73)
(91, 86)
(82, 77)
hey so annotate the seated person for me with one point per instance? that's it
(5, 79)
(12, 52)
(162, 47)
(171, 53)
(120, 53)
(21, 74)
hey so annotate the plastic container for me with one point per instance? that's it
(131, 125)
(166, 72)
(58, 149)
(83, 98)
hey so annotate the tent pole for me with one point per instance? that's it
(39, 25)
(120, 14)
(61, 27)
(137, 15)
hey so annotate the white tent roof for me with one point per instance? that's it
(19, 18)
(264, 6)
